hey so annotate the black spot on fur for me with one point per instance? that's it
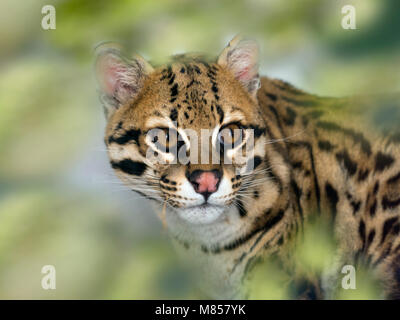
(174, 90)
(387, 226)
(356, 205)
(394, 179)
(267, 226)
(390, 204)
(297, 165)
(350, 166)
(256, 195)
(309, 148)
(372, 209)
(241, 208)
(376, 188)
(257, 131)
(395, 292)
(257, 161)
(174, 114)
(371, 236)
(325, 145)
(332, 196)
(361, 231)
(197, 69)
(291, 117)
(271, 96)
(273, 221)
(214, 88)
(130, 167)
(298, 194)
(363, 175)
(383, 161)
(221, 114)
(171, 81)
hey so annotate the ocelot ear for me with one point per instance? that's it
(120, 79)
(241, 58)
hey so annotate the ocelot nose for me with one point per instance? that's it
(205, 182)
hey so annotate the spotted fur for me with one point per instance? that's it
(313, 157)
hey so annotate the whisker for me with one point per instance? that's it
(284, 139)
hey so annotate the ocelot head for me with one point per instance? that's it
(188, 133)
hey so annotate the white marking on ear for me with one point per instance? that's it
(120, 79)
(241, 58)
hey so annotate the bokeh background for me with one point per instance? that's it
(60, 203)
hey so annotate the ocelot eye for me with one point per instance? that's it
(230, 136)
(165, 139)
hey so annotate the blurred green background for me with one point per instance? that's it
(60, 203)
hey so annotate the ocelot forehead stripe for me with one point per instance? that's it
(181, 76)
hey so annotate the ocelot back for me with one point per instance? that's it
(286, 157)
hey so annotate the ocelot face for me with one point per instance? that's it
(188, 133)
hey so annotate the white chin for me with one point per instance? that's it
(203, 214)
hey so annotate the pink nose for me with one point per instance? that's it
(205, 182)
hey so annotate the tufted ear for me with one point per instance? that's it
(120, 79)
(241, 58)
